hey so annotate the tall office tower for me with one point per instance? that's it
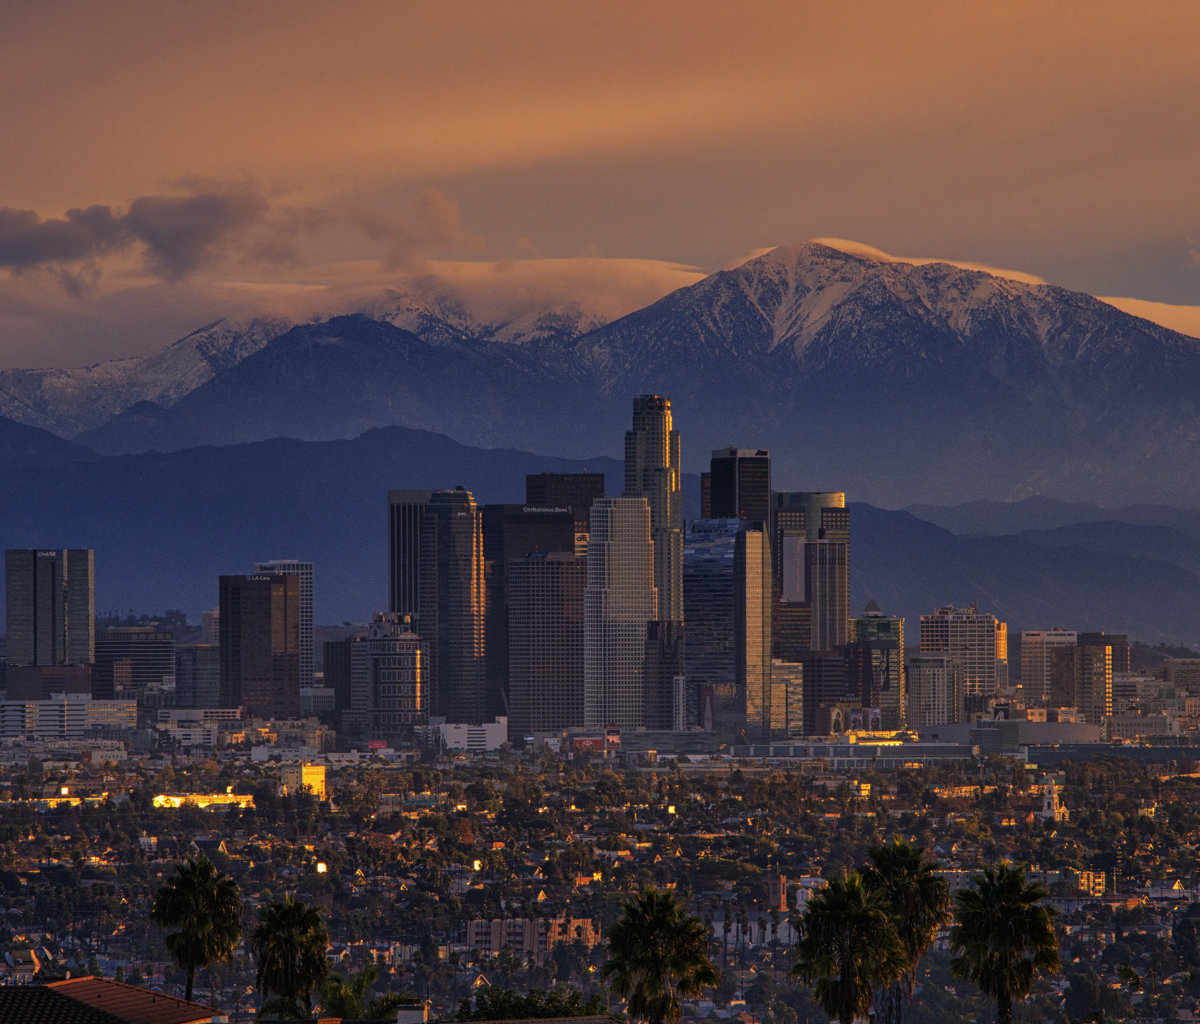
(708, 585)
(810, 535)
(198, 676)
(740, 484)
(335, 663)
(210, 626)
(510, 532)
(50, 606)
(291, 567)
(752, 629)
(576, 491)
(1062, 677)
(664, 676)
(884, 686)
(706, 496)
(450, 616)
(1036, 647)
(619, 601)
(934, 689)
(406, 514)
(260, 644)
(545, 643)
(826, 583)
(787, 702)
(727, 605)
(388, 692)
(652, 472)
(131, 660)
(791, 626)
(825, 684)
(1097, 657)
(972, 638)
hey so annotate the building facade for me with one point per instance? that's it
(50, 606)
(304, 570)
(513, 532)
(198, 676)
(388, 690)
(260, 644)
(576, 491)
(934, 695)
(810, 538)
(652, 472)
(977, 641)
(406, 518)
(618, 602)
(451, 616)
(131, 660)
(740, 484)
(545, 643)
(1036, 656)
(882, 685)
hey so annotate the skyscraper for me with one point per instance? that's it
(825, 684)
(787, 701)
(810, 537)
(260, 644)
(406, 512)
(388, 693)
(148, 656)
(973, 639)
(934, 689)
(740, 484)
(1036, 648)
(883, 687)
(545, 646)
(513, 532)
(304, 570)
(727, 604)
(575, 491)
(652, 472)
(50, 606)
(619, 601)
(450, 605)
(1097, 657)
(198, 676)
(664, 676)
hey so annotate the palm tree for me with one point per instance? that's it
(206, 906)
(848, 948)
(657, 954)
(920, 905)
(1004, 937)
(289, 945)
(341, 997)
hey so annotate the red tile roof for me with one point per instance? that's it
(131, 1004)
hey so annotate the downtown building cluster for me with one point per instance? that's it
(576, 616)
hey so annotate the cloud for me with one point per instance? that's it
(180, 233)
(433, 222)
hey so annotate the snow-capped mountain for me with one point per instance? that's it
(898, 381)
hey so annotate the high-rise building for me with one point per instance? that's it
(335, 663)
(513, 532)
(260, 644)
(450, 615)
(740, 484)
(50, 606)
(810, 536)
(210, 626)
(826, 683)
(406, 516)
(727, 608)
(708, 607)
(973, 638)
(664, 696)
(575, 491)
(787, 702)
(619, 601)
(304, 570)
(1036, 647)
(545, 645)
(198, 676)
(934, 689)
(131, 660)
(652, 472)
(752, 631)
(1097, 657)
(388, 694)
(883, 685)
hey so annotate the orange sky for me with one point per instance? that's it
(1060, 139)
